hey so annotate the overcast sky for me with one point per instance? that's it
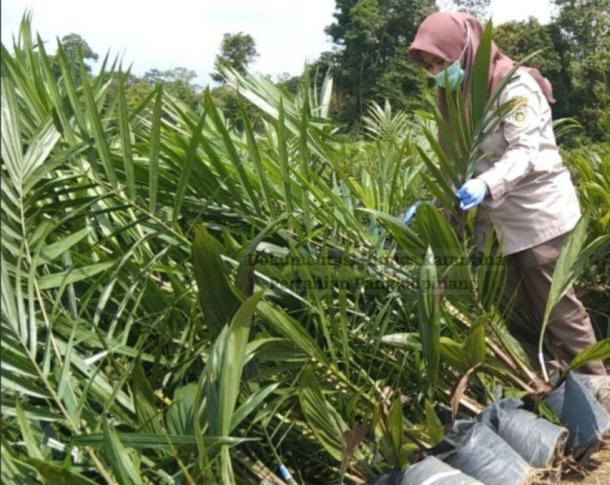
(161, 34)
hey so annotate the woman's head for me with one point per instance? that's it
(446, 37)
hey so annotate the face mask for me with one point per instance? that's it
(454, 73)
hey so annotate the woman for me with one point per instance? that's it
(521, 186)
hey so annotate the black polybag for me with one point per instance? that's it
(476, 450)
(430, 471)
(580, 412)
(538, 441)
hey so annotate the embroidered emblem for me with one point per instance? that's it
(520, 117)
(519, 113)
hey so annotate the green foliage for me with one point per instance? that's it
(75, 48)
(585, 52)
(429, 318)
(397, 449)
(371, 64)
(478, 8)
(288, 82)
(236, 51)
(574, 256)
(326, 423)
(590, 168)
(178, 82)
(184, 301)
(598, 351)
(218, 298)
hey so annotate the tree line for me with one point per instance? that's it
(369, 60)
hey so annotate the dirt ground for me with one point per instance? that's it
(596, 472)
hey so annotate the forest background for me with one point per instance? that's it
(369, 60)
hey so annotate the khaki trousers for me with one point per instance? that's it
(530, 273)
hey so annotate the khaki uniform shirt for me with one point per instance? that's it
(531, 196)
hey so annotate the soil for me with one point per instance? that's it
(595, 472)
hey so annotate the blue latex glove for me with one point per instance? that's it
(410, 212)
(471, 193)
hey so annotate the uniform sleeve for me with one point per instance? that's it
(521, 129)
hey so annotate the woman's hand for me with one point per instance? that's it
(471, 193)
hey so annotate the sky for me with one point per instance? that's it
(160, 34)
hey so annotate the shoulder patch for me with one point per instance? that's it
(518, 116)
